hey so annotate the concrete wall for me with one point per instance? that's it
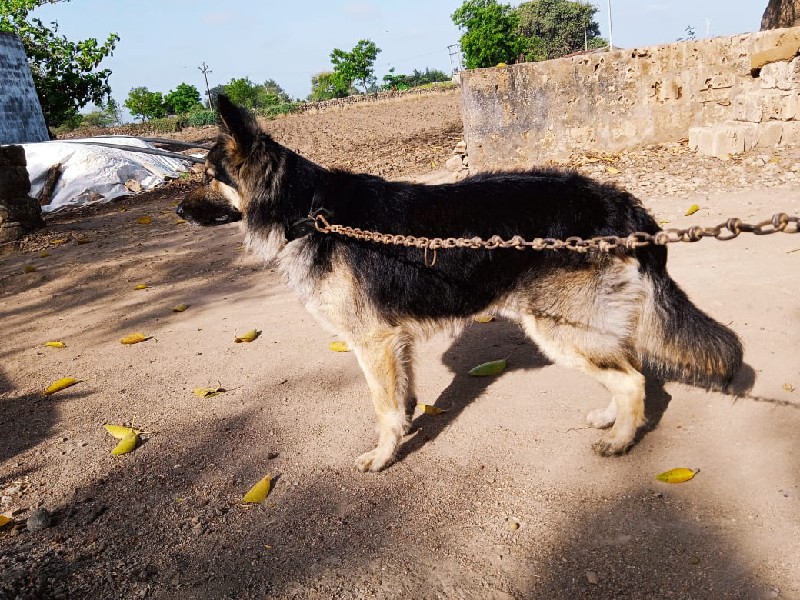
(21, 119)
(522, 115)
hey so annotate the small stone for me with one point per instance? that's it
(271, 455)
(512, 524)
(591, 577)
(39, 519)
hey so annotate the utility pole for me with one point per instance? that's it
(610, 29)
(205, 71)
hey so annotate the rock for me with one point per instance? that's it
(781, 13)
(454, 163)
(592, 578)
(39, 519)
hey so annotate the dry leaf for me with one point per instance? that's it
(55, 344)
(126, 444)
(678, 475)
(181, 307)
(692, 209)
(788, 387)
(61, 384)
(487, 369)
(208, 392)
(120, 432)
(140, 286)
(180, 221)
(58, 242)
(429, 409)
(247, 337)
(339, 346)
(4, 520)
(135, 338)
(259, 492)
(144, 220)
(44, 254)
(29, 269)
(483, 318)
(612, 170)
(83, 240)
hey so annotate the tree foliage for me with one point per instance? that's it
(145, 104)
(65, 73)
(182, 99)
(553, 28)
(356, 67)
(490, 33)
(325, 86)
(416, 79)
(251, 95)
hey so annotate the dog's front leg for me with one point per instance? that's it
(385, 357)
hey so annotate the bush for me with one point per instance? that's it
(270, 112)
(167, 124)
(201, 117)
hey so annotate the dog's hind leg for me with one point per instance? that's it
(385, 358)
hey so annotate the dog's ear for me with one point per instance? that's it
(237, 122)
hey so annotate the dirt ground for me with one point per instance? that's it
(499, 497)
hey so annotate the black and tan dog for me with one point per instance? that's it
(601, 314)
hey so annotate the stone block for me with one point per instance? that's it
(12, 156)
(773, 74)
(774, 46)
(701, 139)
(14, 182)
(720, 141)
(769, 134)
(748, 108)
(790, 133)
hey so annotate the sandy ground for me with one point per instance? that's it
(500, 497)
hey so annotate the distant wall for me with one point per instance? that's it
(522, 115)
(21, 119)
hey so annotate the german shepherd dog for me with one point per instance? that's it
(603, 314)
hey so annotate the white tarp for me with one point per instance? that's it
(90, 171)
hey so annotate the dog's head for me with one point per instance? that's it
(223, 198)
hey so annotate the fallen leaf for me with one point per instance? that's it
(135, 338)
(29, 269)
(181, 307)
(180, 221)
(120, 432)
(144, 220)
(58, 242)
(259, 492)
(4, 520)
(55, 344)
(208, 392)
(788, 387)
(483, 318)
(429, 409)
(126, 444)
(61, 384)
(678, 475)
(692, 209)
(140, 286)
(44, 254)
(247, 337)
(487, 369)
(612, 170)
(339, 346)
(83, 240)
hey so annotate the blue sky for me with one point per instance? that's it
(163, 42)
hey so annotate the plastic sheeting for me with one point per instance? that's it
(93, 173)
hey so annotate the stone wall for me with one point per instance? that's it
(522, 115)
(19, 214)
(21, 119)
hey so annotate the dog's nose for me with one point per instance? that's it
(179, 209)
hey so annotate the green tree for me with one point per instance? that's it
(416, 79)
(553, 28)
(325, 86)
(355, 67)
(145, 104)
(182, 99)
(241, 91)
(490, 33)
(104, 116)
(65, 73)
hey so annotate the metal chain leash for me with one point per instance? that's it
(732, 228)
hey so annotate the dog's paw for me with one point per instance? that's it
(601, 418)
(612, 446)
(373, 461)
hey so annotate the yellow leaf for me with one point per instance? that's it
(487, 369)
(208, 392)
(126, 444)
(483, 318)
(429, 409)
(247, 337)
(58, 242)
(4, 520)
(692, 209)
(180, 221)
(612, 170)
(120, 432)
(144, 220)
(44, 254)
(55, 344)
(500, 65)
(181, 307)
(30, 269)
(339, 346)
(135, 338)
(788, 387)
(61, 384)
(83, 240)
(140, 286)
(259, 492)
(678, 475)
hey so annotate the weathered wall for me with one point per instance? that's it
(21, 119)
(781, 13)
(522, 115)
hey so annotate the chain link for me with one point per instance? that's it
(730, 229)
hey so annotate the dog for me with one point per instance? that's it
(604, 314)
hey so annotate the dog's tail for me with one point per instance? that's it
(678, 339)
